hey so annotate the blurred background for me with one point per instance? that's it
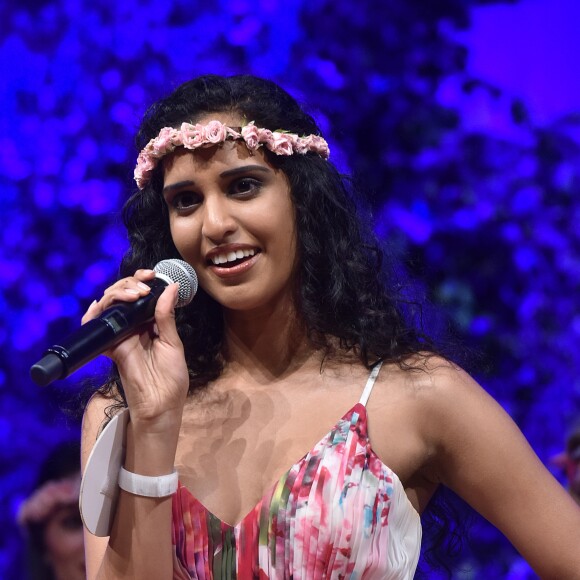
(459, 118)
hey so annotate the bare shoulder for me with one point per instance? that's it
(447, 403)
(402, 402)
(427, 378)
(431, 374)
(437, 409)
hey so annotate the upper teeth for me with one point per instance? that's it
(232, 256)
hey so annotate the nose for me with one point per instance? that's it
(219, 223)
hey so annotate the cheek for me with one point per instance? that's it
(187, 239)
(280, 221)
(289, 235)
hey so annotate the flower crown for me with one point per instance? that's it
(196, 136)
(49, 496)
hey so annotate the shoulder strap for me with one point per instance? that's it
(370, 383)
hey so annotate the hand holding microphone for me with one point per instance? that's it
(114, 324)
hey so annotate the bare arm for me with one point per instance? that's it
(155, 381)
(483, 456)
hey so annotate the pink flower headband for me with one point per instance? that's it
(47, 497)
(196, 136)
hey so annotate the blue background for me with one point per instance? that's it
(461, 119)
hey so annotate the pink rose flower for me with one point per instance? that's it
(215, 132)
(163, 143)
(320, 146)
(302, 145)
(293, 138)
(140, 179)
(282, 144)
(251, 136)
(192, 136)
(146, 161)
(266, 137)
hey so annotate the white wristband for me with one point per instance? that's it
(146, 485)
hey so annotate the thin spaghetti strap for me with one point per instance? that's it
(370, 383)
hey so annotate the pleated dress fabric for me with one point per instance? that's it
(337, 513)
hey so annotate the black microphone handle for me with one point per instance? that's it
(96, 336)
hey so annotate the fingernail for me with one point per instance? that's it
(143, 286)
(92, 303)
(131, 291)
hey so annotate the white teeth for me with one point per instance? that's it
(232, 256)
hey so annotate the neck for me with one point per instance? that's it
(265, 346)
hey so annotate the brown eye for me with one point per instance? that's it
(245, 186)
(185, 200)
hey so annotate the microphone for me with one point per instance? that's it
(114, 324)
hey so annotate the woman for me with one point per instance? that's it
(51, 520)
(254, 393)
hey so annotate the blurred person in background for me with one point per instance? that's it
(569, 462)
(50, 518)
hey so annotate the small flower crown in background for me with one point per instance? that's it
(196, 136)
(47, 498)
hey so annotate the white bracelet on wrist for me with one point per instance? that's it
(147, 485)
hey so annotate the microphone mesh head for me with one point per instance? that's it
(174, 270)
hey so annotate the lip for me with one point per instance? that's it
(236, 270)
(229, 248)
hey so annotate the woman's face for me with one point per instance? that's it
(63, 540)
(232, 219)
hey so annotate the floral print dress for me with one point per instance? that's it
(337, 513)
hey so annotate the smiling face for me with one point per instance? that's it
(232, 218)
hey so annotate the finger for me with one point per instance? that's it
(127, 289)
(131, 285)
(165, 314)
(92, 312)
(145, 274)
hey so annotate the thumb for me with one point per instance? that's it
(165, 314)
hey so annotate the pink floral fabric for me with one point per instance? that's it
(337, 513)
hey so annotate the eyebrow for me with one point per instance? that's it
(244, 169)
(177, 185)
(228, 173)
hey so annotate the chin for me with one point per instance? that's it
(240, 303)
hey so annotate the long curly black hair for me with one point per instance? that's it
(340, 293)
